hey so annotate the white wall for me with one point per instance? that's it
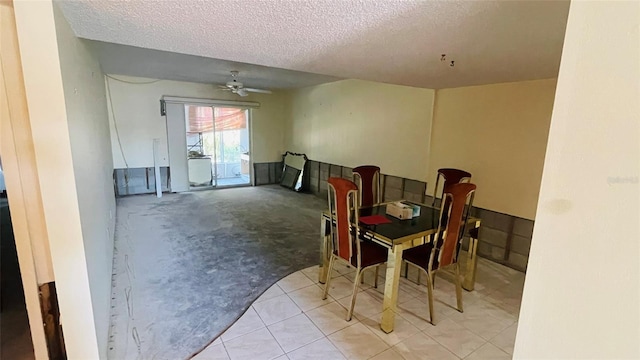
(499, 134)
(582, 290)
(88, 125)
(19, 162)
(49, 124)
(137, 114)
(355, 122)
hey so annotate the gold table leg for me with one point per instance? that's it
(391, 284)
(472, 263)
(324, 252)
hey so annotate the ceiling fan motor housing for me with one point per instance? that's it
(234, 84)
(237, 87)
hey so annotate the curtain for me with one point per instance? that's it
(226, 119)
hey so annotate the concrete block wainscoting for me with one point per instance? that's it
(504, 238)
(215, 231)
(267, 172)
(134, 181)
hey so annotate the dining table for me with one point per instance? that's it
(398, 235)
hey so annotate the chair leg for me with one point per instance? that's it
(355, 293)
(406, 273)
(458, 288)
(375, 280)
(430, 295)
(326, 283)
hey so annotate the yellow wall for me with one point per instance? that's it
(354, 122)
(582, 292)
(499, 134)
(137, 109)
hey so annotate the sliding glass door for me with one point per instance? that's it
(200, 157)
(217, 146)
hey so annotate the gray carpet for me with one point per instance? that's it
(186, 266)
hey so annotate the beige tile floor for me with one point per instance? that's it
(291, 321)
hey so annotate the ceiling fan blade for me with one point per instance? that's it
(242, 92)
(262, 91)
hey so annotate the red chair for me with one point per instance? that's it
(442, 251)
(343, 203)
(367, 177)
(450, 176)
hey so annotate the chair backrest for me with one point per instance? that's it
(343, 201)
(453, 219)
(449, 176)
(367, 177)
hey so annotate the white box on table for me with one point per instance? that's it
(415, 207)
(400, 210)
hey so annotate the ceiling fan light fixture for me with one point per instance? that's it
(237, 87)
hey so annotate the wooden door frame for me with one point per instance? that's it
(22, 181)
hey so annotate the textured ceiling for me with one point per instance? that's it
(381, 40)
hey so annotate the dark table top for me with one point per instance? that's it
(398, 230)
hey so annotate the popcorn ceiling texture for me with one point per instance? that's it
(396, 42)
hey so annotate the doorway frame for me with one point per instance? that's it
(18, 167)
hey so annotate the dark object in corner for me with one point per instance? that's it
(293, 170)
(51, 321)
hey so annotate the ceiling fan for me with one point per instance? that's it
(237, 87)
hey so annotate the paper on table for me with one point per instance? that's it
(374, 220)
